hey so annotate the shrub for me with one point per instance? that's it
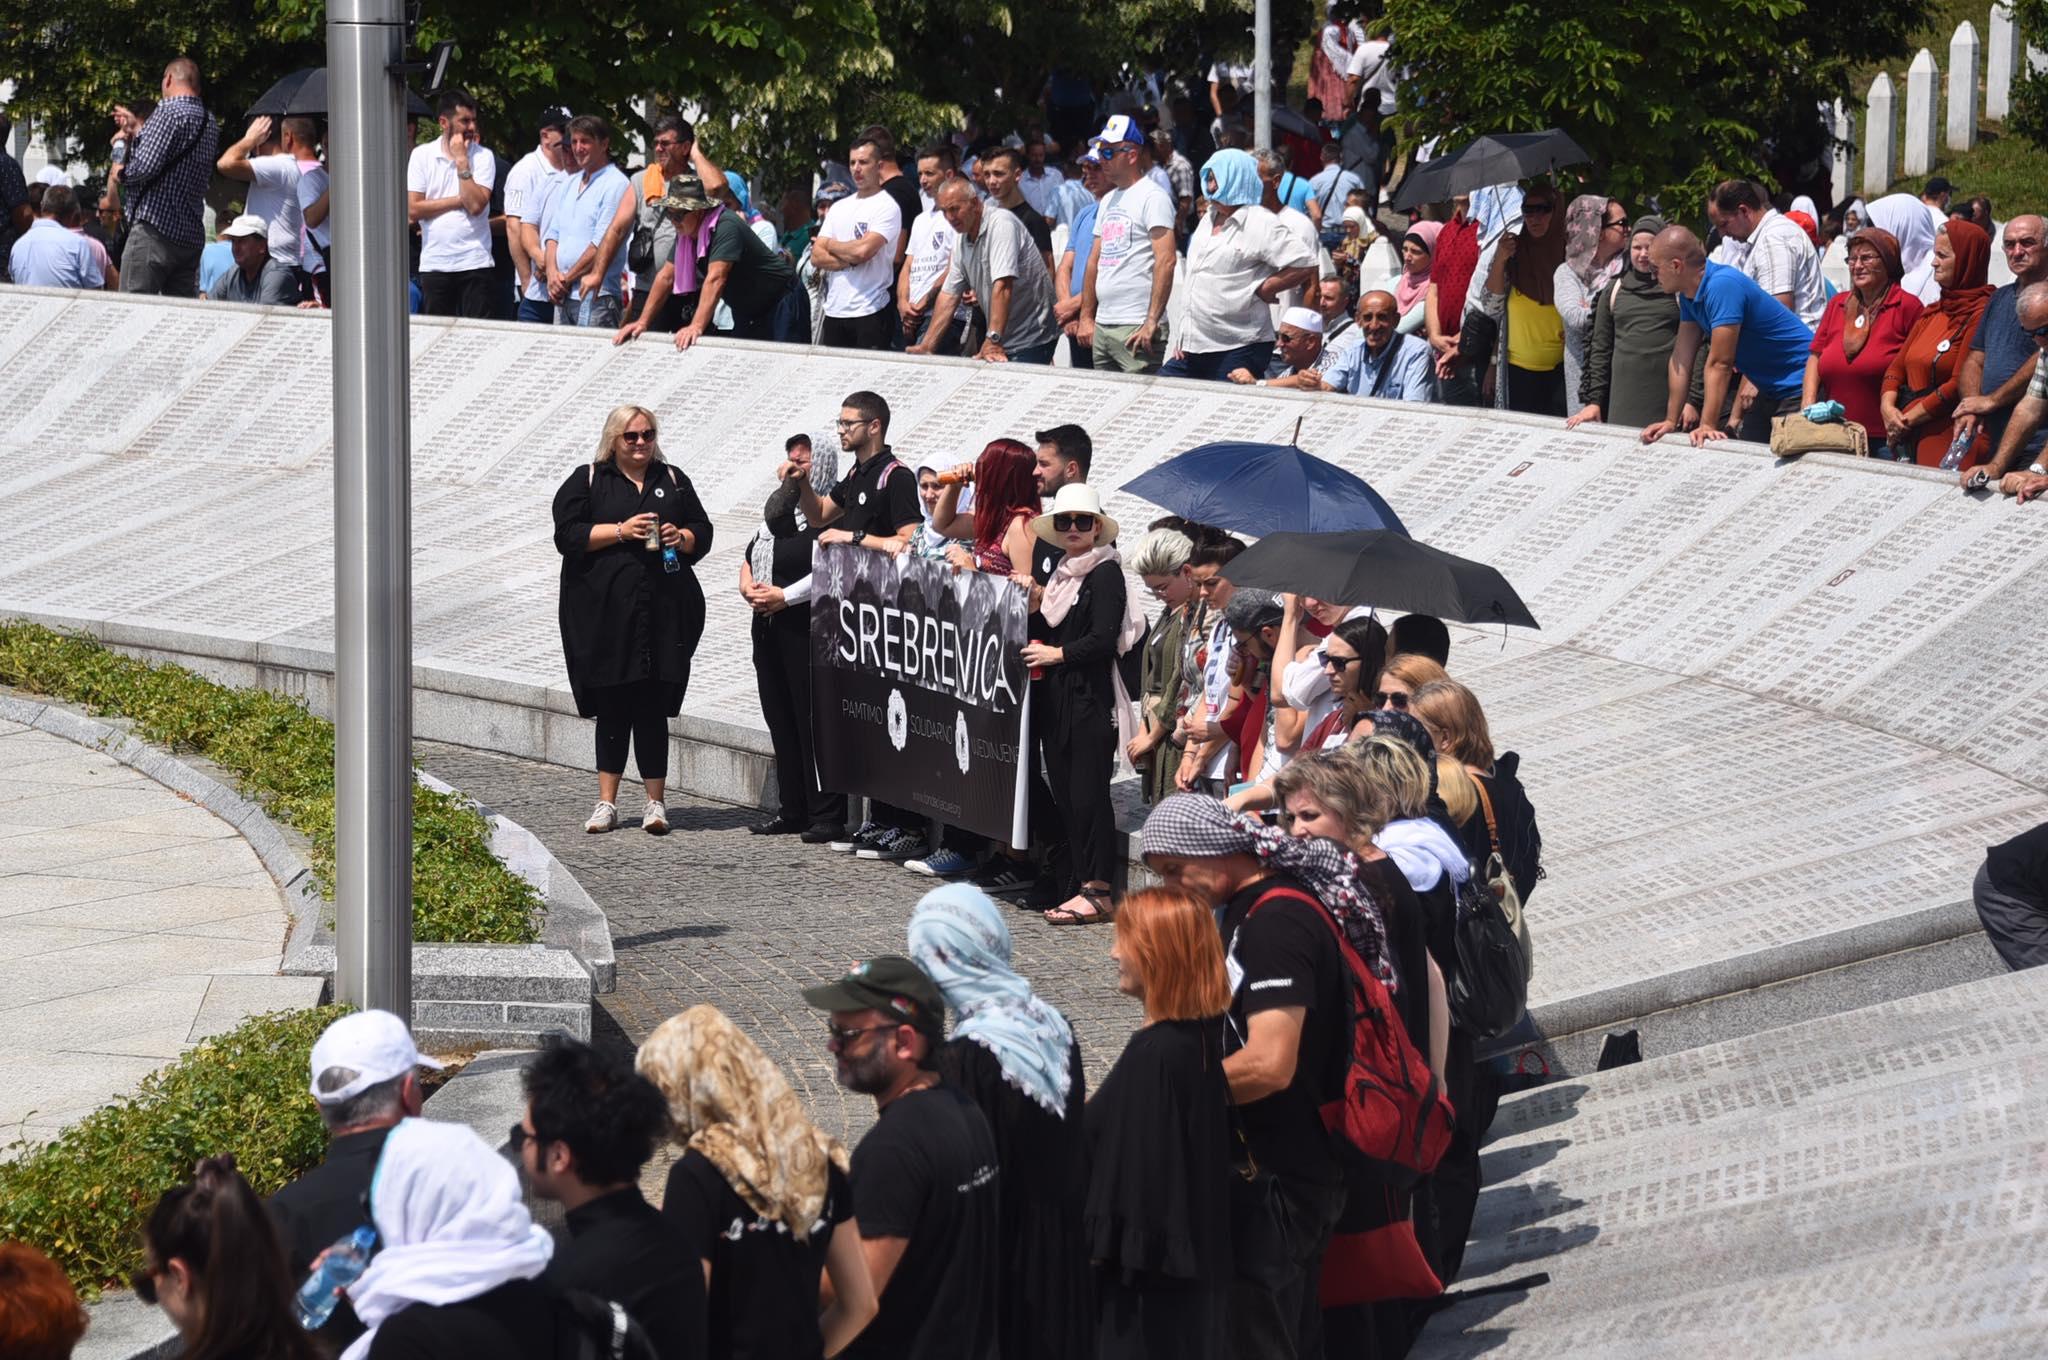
(283, 757)
(82, 1199)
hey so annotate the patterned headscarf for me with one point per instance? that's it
(1582, 223)
(958, 937)
(732, 1104)
(1196, 826)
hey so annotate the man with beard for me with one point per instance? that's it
(924, 1178)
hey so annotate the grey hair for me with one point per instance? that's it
(2034, 297)
(384, 1100)
(1270, 161)
(1162, 552)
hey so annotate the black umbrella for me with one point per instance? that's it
(303, 93)
(1378, 567)
(1497, 158)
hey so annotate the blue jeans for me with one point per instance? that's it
(538, 313)
(1218, 365)
(1034, 354)
(599, 311)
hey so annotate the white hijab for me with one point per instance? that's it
(451, 1223)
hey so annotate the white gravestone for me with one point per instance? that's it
(2001, 49)
(1921, 120)
(1963, 51)
(1842, 122)
(1880, 137)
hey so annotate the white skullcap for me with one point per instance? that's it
(1303, 318)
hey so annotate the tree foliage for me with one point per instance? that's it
(2029, 115)
(1666, 96)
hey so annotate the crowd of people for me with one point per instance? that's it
(1138, 236)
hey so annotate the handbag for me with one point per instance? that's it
(1501, 884)
(1488, 984)
(1793, 435)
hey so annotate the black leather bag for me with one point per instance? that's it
(1489, 987)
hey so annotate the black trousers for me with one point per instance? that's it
(1080, 755)
(463, 292)
(859, 332)
(634, 715)
(1287, 1323)
(1537, 394)
(782, 672)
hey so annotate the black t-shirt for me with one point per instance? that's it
(909, 202)
(760, 275)
(620, 1248)
(1035, 223)
(763, 1303)
(322, 1207)
(877, 497)
(518, 1320)
(2019, 867)
(927, 1172)
(1285, 956)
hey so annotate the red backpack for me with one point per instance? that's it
(1393, 1110)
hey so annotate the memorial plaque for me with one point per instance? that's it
(22, 319)
(236, 416)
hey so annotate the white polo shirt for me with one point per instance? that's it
(1225, 266)
(864, 289)
(453, 241)
(274, 197)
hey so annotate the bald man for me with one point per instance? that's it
(1746, 331)
(1385, 363)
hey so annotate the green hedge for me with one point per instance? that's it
(83, 1198)
(283, 757)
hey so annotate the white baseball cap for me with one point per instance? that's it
(375, 1045)
(1303, 318)
(248, 224)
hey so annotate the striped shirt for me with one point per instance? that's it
(168, 175)
(1782, 260)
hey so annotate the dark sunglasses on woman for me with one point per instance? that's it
(1077, 522)
(1398, 699)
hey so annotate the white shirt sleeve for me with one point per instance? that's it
(416, 169)
(797, 591)
(483, 167)
(1304, 682)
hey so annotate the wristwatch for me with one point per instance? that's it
(464, 174)
(859, 535)
(2037, 469)
(994, 338)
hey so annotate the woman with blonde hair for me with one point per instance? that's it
(630, 530)
(1161, 561)
(1157, 1216)
(1500, 815)
(760, 1194)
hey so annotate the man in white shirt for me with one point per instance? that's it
(1272, 172)
(1372, 68)
(856, 251)
(272, 174)
(301, 140)
(929, 256)
(1040, 182)
(1778, 254)
(1123, 302)
(448, 192)
(527, 187)
(1240, 258)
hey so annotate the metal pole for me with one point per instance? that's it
(1262, 73)
(366, 139)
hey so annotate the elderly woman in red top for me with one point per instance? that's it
(1923, 384)
(1862, 331)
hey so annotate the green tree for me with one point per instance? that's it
(2029, 116)
(1666, 96)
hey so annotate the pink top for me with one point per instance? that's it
(1857, 382)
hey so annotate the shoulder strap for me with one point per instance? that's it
(590, 474)
(1614, 295)
(1486, 804)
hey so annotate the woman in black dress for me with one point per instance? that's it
(760, 1196)
(1158, 1207)
(630, 530)
(1088, 716)
(1016, 1057)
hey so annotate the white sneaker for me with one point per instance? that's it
(603, 817)
(654, 819)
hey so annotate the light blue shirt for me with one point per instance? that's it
(1069, 202)
(581, 218)
(51, 255)
(217, 259)
(1081, 240)
(543, 209)
(1400, 372)
(1330, 186)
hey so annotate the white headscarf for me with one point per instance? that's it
(451, 1224)
(1905, 217)
(1805, 204)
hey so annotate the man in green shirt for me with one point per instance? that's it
(737, 267)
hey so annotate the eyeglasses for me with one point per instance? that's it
(1613, 226)
(1333, 663)
(520, 1136)
(835, 1034)
(666, 143)
(1395, 699)
(2036, 332)
(1073, 523)
(850, 424)
(1538, 209)
(637, 436)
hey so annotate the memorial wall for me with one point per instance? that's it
(1773, 716)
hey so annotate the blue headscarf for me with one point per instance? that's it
(738, 184)
(1237, 179)
(958, 937)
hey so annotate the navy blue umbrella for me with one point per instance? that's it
(1260, 489)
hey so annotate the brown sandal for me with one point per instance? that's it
(1099, 908)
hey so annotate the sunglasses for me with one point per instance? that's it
(2036, 332)
(517, 1140)
(1538, 209)
(842, 1036)
(1078, 522)
(143, 1282)
(1333, 663)
(637, 436)
(1398, 699)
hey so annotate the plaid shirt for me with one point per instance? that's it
(167, 178)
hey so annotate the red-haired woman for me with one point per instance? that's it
(39, 1314)
(1005, 503)
(1158, 1213)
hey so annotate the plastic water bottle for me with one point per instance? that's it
(1957, 447)
(1823, 412)
(343, 1264)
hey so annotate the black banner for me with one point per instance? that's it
(918, 696)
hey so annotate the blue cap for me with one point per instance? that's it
(1123, 129)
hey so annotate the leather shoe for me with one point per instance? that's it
(780, 826)
(822, 833)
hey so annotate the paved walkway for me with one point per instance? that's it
(133, 923)
(710, 913)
